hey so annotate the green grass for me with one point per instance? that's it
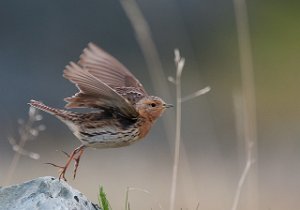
(103, 202)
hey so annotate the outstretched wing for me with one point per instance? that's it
(95, 93)
(111, 72)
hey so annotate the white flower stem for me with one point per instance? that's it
(179, 64)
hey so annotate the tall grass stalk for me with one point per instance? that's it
(148, 47)
(248, 105)
(179, 64)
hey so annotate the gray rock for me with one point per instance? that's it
(44, 193)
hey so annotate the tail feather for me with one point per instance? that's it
(39, 105)
(65, 116)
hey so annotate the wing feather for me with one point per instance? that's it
(94, 93)
(108, 69)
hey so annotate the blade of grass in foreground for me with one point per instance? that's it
(103, 202)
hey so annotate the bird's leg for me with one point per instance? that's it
(77, 159)
(71, 157)
(76, 164)
(63, 169)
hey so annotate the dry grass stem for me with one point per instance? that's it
(196, 94)
(129, 189)
(179, 63)
(27, 131)
(248, 105)
(147, 45)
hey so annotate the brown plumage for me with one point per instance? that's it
(123, 111)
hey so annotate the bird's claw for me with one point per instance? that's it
(62, 170)
(74, 156)
(65, 153)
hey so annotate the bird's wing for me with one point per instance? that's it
(109, 70)
(95, 93)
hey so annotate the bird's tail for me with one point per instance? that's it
(39, 105)
(59, 113)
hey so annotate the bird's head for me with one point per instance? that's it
(151, 107)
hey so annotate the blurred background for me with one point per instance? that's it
(38, 38)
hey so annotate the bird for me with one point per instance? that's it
(120, 111)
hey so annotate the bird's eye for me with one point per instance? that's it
(153, 105)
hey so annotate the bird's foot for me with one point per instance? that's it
(63, 169)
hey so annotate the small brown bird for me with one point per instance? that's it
(123, 111)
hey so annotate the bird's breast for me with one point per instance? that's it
(144, 127)
(109, 137)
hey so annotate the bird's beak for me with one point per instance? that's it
(168, 105)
